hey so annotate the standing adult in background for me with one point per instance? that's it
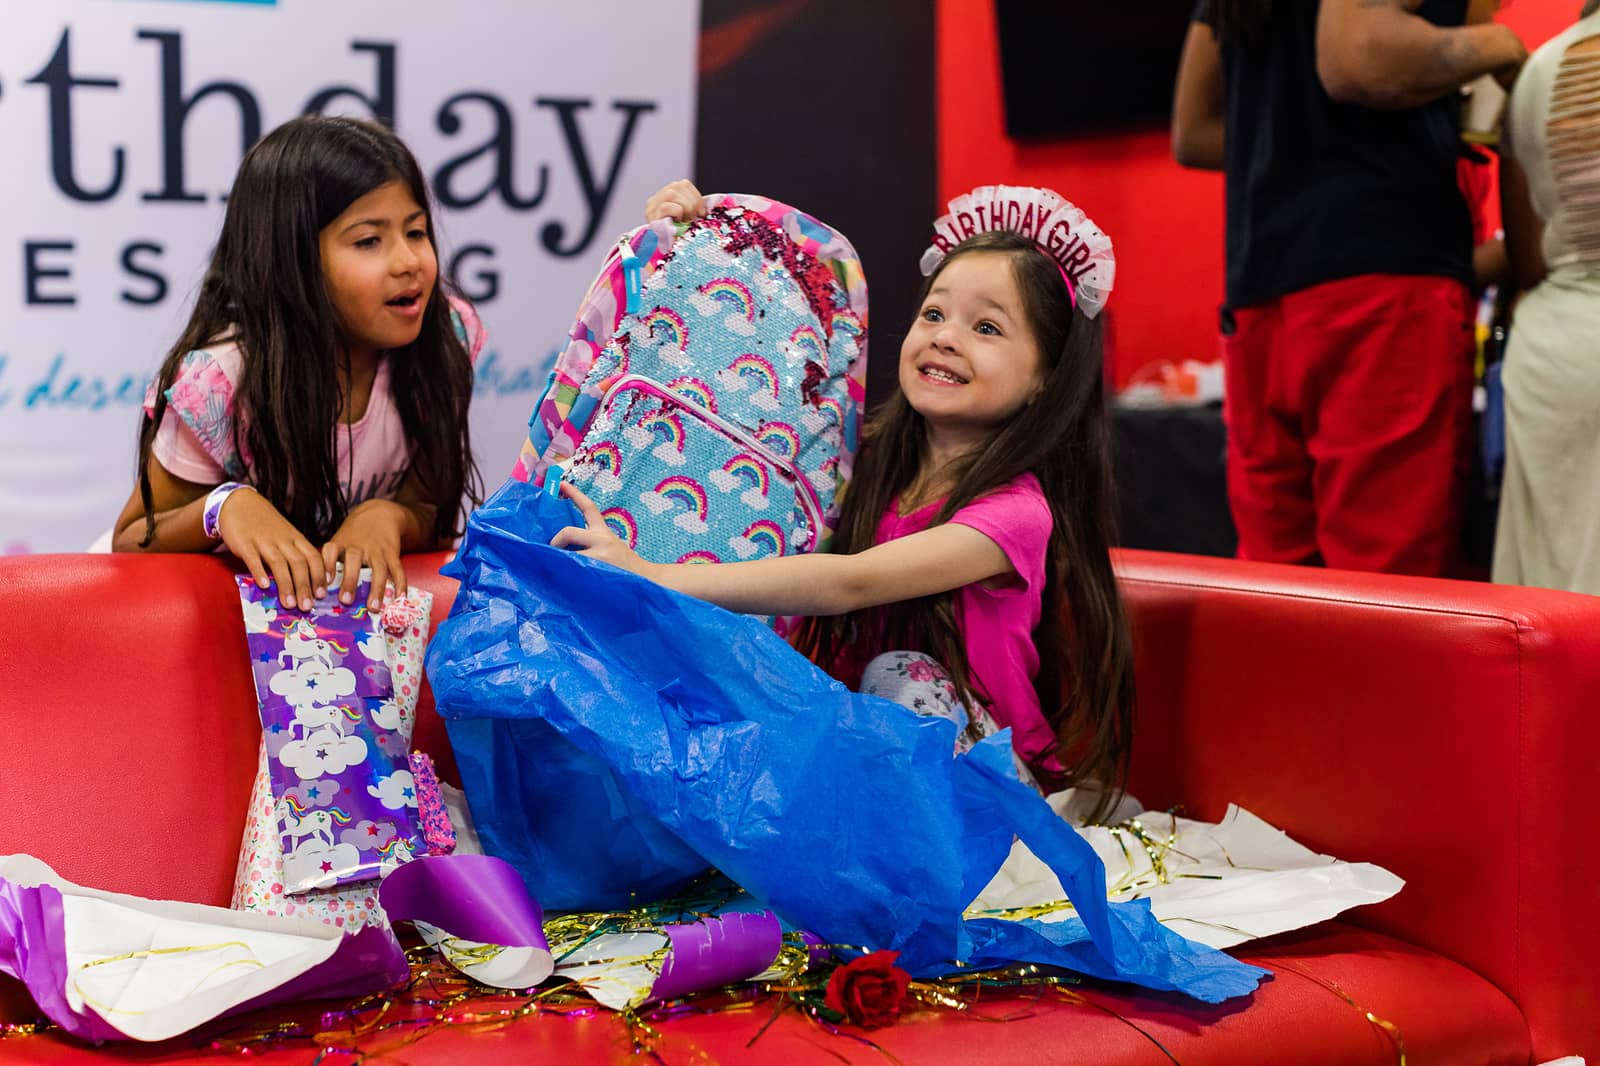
(1347, 327)
(1549, 530)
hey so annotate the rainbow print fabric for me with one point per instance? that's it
(719, 421)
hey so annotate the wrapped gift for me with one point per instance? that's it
(108, 966)
(335, 737)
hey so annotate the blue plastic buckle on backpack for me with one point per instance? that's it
(632, 276)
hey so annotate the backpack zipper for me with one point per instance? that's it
(804, 491)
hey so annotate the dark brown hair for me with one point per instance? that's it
(1085, 680)
(264, 291)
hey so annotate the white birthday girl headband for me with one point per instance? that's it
(1058, 228)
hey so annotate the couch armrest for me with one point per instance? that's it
(1445, 730)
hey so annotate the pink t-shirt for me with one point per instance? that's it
(371, 452)
(998, 621)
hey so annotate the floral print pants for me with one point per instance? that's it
(918, 682)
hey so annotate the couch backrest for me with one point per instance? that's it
(128, 726)
(1445, 730)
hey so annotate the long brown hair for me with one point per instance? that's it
(1085, 680)
(264, 291)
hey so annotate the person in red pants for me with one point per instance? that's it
(1347, 327)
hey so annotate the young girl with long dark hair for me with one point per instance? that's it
(314, 410)
(972, 548)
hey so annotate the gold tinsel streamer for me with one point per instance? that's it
(106, 1008)
(1388, 1028)
(439, 996)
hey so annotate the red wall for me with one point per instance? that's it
(1166, 222)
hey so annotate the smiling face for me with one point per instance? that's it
(970, 360)
(380, 267)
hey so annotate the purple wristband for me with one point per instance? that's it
(214, 502)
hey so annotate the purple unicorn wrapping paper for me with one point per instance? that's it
(335, 740)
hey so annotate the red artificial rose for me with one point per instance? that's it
(869, 991)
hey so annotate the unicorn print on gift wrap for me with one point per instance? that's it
(335, 718)
(371, 646)
(258, 617)
(391, 714)
(395, 852)
(298, 822)
(301, 643)
(312, 680)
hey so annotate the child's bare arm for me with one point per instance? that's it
(251, 528)
(923, 564)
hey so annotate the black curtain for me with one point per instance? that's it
(829, 105)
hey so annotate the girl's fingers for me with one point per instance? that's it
(352, 575)
(658, 206)
(252, 562)
(330, 558)
(573, 537)
(397, 575)
(380, 575)
(586, 507)
(315, 568)
(680, 201)
(282, 579)
(300, 575)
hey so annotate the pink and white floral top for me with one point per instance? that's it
(195, 440)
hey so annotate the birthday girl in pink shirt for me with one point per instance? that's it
(969, 574)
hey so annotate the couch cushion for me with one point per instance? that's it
(1442, 729)
(129, 721)
(126, 704)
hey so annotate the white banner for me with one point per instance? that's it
(541, 128)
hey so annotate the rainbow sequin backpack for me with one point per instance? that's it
(710, 395)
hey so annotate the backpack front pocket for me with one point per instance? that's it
(679, 483)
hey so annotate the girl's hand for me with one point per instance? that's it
(680, 200)
(596, 539)
(370, 536)
(271, 548)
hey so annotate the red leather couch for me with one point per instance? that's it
(1445, 730)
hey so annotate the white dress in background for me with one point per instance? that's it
(1549, 527)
